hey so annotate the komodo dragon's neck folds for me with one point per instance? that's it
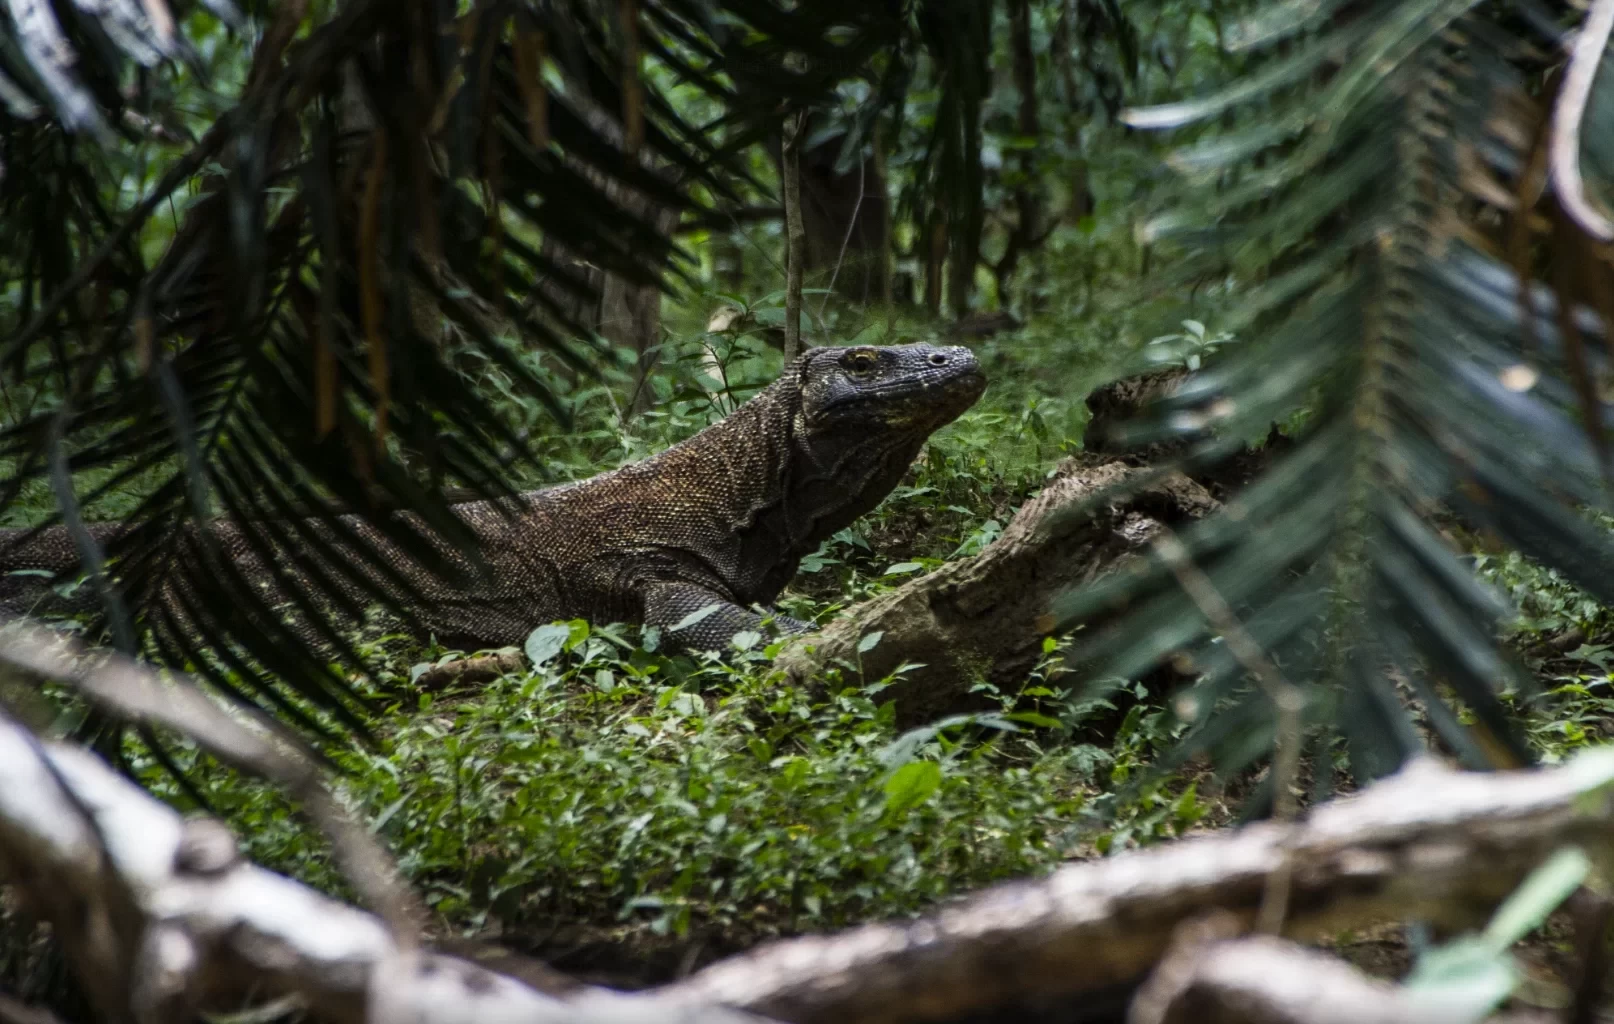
(713, 525)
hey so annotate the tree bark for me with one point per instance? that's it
(934, 242)
(1027, 232)
(886, 293)
(795, 233)
(1427, 844)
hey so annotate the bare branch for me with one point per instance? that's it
(1570, 112)
(1429, 843)
(216, 929)
(138, 694)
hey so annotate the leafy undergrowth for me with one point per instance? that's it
(648, 795)
(1567, 640)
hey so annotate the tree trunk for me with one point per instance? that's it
(795, 234)
(1027, 234)
(883, 267)
(845, 216)
(968, 214)
(935, 248)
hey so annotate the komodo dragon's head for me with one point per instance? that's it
(899, 389)
(859, 416)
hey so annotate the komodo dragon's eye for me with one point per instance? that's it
(860, 362)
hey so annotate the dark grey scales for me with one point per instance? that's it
(723, 518)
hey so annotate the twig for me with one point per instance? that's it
(845, 241)
(1286, 698)
(1584, 62)
(795, 233)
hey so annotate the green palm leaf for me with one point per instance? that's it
(1381, 305)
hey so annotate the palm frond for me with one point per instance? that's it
(1362, 194)
(372, 209)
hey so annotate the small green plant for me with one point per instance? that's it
(1187, 348)
(1469, 977)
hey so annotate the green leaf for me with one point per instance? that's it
(578, 631)
(1537, 896)
(545, 642)
(869, 640)
(1033, 718)
(903, 567)
(697, 616)
(910, 785)
(746, 639)
(1465, 980)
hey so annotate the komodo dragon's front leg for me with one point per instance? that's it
(667, 604)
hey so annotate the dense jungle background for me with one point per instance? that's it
(1349, 260)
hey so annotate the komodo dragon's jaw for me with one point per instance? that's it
(697, 532)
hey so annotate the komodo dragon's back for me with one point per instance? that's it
(721, 519)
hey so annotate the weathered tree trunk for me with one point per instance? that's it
(795, 233)
(986, 617)
(934, 243)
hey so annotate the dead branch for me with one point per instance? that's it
(1430, 844)
(479, 668)
(257, 745)
(1564, 159)
(214, 929)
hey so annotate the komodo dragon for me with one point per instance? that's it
(722, 518)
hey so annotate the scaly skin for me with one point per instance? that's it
(723, 518)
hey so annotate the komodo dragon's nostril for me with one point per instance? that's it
(938, 359)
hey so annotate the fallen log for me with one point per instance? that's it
(986, 617)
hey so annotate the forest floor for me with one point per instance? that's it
(628, 816)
